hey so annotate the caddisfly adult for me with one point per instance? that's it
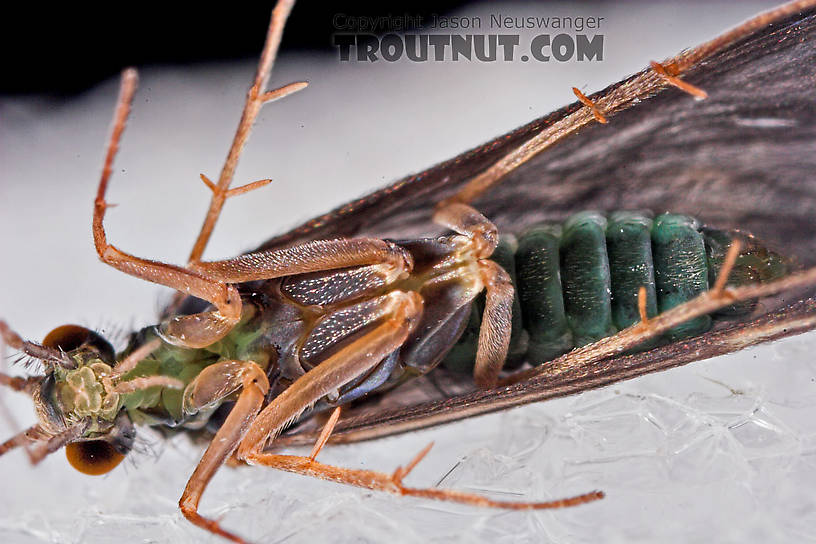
(380, 304)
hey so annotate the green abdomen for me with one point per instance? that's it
(578, 282)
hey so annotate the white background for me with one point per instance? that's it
(721, 450)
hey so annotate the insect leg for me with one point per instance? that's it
(324, 377)
(256, 98)
(314, 256)
(465, 220)
(58, 441)
(598, 364)
(254, 387)
(325, 433)
(15, 383)
(705, 303)
(25, 438)
(392, 483)
(671, 79)
(494, 334)
(400, 315)
(243, 189)
(728, 265)
(193, 331)
(250, 430)
(143, 382)
(640, 87)
(643, 304)
(134, 358)
(19, 439)
(200, 330)
(591, 105)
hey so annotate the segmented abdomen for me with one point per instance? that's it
(578, 282)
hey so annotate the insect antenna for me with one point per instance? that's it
(23, 438)
(56, 442)
(24, 385)
(30, 385)
(48, 355)
(49, 443)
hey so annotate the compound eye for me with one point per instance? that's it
(71, 337)
(94, 457)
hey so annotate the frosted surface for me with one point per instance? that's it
(722, 450)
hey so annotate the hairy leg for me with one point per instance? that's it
(464, 219)
(399, 317)
(214, 281)
(705, 303)
(494, 333)
(393, 483)
(254, 387)
(249, 430)
(310, 257)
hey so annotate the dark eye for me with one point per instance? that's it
(94, 457)
(70, 337)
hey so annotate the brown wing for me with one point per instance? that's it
(743, 158)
